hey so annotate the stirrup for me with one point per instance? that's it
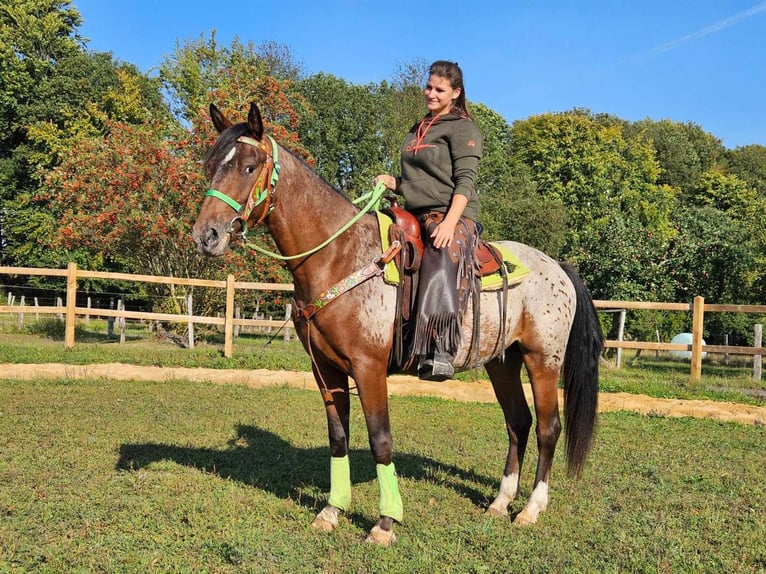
(437, 368)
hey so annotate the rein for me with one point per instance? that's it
(373, 201)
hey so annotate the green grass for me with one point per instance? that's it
(102, 476)
(654, 377)
(251, 351)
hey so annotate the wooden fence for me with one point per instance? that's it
(698, 308)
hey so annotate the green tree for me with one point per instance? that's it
(340, 127)
(684, 150)
(592, 170)
(55, 92)
(746, 209)
(749, 164)
(511, 208)
(199, 71)
(403, 106)
(34, 36)
(709, 256)
(620, 259)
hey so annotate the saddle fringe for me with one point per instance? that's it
(442, 331)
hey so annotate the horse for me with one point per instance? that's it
(550, 323)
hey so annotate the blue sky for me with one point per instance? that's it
(702, 61)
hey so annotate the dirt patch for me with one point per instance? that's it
(480, 391)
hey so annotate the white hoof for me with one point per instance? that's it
(525, 518)
(498, 511)
(537, 504)
(326, 520)
(381, 537)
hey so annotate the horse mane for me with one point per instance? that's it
(228, 138)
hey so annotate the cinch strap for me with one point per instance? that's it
(340, 482)
(390, 499)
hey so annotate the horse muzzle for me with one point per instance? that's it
(211, 239)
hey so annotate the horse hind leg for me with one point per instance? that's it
(544, 380)
(506, 382)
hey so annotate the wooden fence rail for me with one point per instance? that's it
(698, 308)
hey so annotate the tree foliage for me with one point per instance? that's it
(99, 164)
(749, 164)
(130, 200)
(511, 208)
(340, 128)
(56, 92)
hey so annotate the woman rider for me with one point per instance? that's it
(439, 159)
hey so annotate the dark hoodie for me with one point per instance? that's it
(439, 159)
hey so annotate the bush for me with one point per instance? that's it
(52, 328)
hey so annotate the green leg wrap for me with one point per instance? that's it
(390, 499)
(340, 482)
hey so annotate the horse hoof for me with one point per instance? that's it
(524, 518)
(326, 520)
(321, 524)
(498, 512)
(381, 537)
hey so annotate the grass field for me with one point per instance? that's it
(646, 375)
(103, 476)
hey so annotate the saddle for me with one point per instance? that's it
(404, 227)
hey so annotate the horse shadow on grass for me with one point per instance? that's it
(262, 459)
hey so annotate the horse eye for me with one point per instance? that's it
(250, 169)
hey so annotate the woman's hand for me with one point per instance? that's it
(388, 180)
(443, 233)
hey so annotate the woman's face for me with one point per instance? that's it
(439, 95)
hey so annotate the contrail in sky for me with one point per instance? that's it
(717, 26)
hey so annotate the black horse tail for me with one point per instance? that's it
(580, 375)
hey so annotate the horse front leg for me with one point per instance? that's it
(334, 388)
(373, 395)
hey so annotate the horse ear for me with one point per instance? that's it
(220, 121)
(254, 121)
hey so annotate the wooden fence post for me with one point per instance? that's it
(758, 359)
(620, 336)
(698, 322)
(71, 304)
(121, 319)
(190, 326)
(21, 313)
(288, 315)
(228, 325)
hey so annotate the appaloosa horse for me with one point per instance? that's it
(550, 326)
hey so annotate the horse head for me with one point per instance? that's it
(242, 168)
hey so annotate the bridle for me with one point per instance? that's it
(260, 193)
